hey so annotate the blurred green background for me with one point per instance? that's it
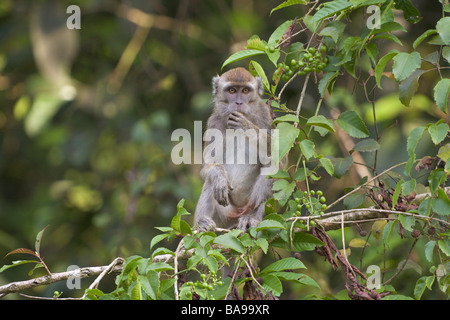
(86, 118)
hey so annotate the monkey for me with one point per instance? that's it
(234, 193)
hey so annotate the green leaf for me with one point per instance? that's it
(331, 8)
(387, 231)
(230, 241)
(438, 132)
(441, 93)
(307, 147)
(159, 266)
(444, 152)
(442, 27)
(285, 190)
(421, 285)
(423, 36)
(444, 245)
(150, 284)
(408, 87)
(241, 55)
(352, 123)
(429, 248)
(327, 82)
(379, 69)
(16, 263)
(286, 118)
(287, 134)
(277, 35)
(327, 165)
(157, 239)
(263, 244)
(272, 283)
(287, 4)
(367, 145)
(260, 73)
(304, 242)
(269, 224)
(410, 13)
(38, 239)
(413, 139)
(341, 165)
(284, 264)
(441, 204)
(321, 121)
(405, 64)
(354, 200)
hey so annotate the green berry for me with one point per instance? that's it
(322, 199)
(313, 192)
(319, 193)
(312, 50)
(323, 48)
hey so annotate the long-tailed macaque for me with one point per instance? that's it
(235, 191)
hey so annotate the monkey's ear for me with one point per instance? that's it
(260, 86)
(215, 84)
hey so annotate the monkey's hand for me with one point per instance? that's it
(221, 189)
(237, 120)
(206, 224)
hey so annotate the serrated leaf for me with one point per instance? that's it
(321, 121)
(441, 93)
(441, 204)
(408, 87)
(286, 118)
(284, 264)
(327, 165)
(410, 13)
(367, 145)
(381, 65)
(241, 55)
(405, 64)
(307, 147)
(438, 132)
(413, 139)
(444, 245)
(429, 248)
(442, 27)
(341, 165)
(287, 134)
(352, 123)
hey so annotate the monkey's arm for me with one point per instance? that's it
(217, 177)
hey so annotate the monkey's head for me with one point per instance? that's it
(237, 90)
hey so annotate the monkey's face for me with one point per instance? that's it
(237, 90)
(239, 98)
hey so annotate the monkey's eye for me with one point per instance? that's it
(245, 90)
(232, 90)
